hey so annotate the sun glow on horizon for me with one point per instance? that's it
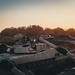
(51, 15)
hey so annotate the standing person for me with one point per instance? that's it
(26, 40)
(18, 39)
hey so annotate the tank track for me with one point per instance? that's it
(45, 67)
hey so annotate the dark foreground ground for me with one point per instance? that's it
(51, 69)
(54, 69)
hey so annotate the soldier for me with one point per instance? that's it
(26, 40)
(18, 39)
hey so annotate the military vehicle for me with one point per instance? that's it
(27, 53)
(31, 55)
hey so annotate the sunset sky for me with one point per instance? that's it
(46, 13)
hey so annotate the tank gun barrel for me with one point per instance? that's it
(59, 49)
(46, 42)
(72, 37)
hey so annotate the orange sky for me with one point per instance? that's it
(44, 13)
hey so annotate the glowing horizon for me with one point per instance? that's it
(45, 13)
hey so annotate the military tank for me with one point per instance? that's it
(69, 71)
(30, 53)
